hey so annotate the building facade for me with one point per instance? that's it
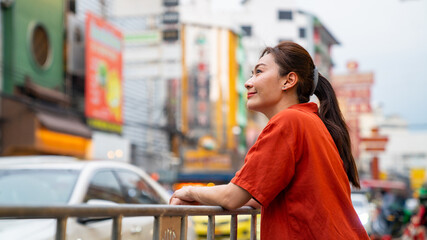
(36, 105)
(353, 90)
(262, 25)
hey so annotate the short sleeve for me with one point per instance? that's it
(270, 163)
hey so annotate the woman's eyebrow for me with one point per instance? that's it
(259, 64)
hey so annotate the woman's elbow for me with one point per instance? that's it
(232, 205)
(234, 197)
(232, 202)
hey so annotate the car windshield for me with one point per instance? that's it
(36, 186)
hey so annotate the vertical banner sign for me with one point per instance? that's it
(103, 93)
(199, 80)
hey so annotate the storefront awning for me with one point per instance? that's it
(69, 124)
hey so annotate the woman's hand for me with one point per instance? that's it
(183, 196)
(177, 201)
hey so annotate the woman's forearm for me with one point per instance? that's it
(228, 196)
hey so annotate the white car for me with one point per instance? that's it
(363, 209)
(52, 180)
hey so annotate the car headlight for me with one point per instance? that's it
(364, 218)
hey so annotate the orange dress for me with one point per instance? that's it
(295, 172)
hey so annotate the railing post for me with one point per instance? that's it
(233, 227)
(253, 226)
(156, 228)
(184, 222)
(211, 227)
(61, 228)
(117, 228)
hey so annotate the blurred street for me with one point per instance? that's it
(158, 85)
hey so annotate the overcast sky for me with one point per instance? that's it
(387, 37)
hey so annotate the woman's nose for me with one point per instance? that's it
(249, 83)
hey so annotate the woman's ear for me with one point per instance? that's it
(291, 80)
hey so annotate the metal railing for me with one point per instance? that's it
(170, 222)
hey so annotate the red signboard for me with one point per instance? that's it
(375, 143)
(103, 92)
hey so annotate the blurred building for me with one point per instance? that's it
(403, 154)
(36, 105)
(406, 152)
(268, 24)
(45, 81)
(144, 84)
(176, 105)
(353, 90)
(262, 25)
(212, 99)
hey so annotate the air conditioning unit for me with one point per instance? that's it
(75, 46)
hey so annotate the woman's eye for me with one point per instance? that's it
(258, 71)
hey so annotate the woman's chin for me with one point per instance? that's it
(251, 107)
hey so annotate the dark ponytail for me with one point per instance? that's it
(291, 57)
(333, 119)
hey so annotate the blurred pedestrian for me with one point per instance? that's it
(300, 167)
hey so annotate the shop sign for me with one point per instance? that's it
(103, 87)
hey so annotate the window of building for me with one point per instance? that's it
(302, 33)
(285, 15)
(40, 46)
(72, 6)
(247, 30)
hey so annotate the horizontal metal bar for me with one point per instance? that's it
(83, 210)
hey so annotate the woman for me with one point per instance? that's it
(300, 167)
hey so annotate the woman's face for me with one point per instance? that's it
(265, 86)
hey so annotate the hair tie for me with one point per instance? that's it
(315, 79)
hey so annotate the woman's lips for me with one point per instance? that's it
(250, 94)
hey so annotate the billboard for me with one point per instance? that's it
(103, 87)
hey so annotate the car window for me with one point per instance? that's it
(36, 186)
(105, 186)
(137, 190)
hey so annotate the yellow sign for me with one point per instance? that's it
(61, 143)
(103, 125)
(417, 177)
(207, 160)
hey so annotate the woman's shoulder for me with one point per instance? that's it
(297, 113)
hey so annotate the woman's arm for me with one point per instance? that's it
(228, 196)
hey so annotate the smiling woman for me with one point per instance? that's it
(301, 165)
